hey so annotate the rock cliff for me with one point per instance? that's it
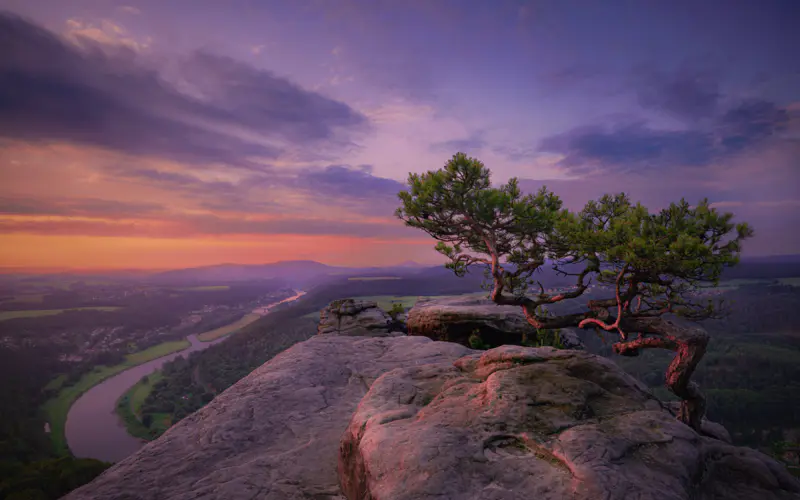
(354, 317)
(455, 319)
(519, 422)
(390, 418)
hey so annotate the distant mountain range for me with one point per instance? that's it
(295, 272)
(304, 273)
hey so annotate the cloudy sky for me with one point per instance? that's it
(162, 134)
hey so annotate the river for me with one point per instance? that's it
(93, 429)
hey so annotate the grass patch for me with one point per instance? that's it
(228, 329)
(139, 392)
(56, 409)
(50, 312)
(161, 422)
(374, 278)
(133, 425)
(210, 288)
(56, 383)
(129, 409)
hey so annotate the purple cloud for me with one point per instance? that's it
(627, 146)
(469, 145)
(630, 146)
(750, 122)
(353, 188)
(342, 185)
(51, 90)
(687, 94)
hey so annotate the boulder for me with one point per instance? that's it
(354, 317)
(570, 338)
(456, 318)
(275, 434)
(518, 422)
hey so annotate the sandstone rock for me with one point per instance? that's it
(570, 338)
(354, 317)
(709, 428)
(414, 419)
(275, 434)
(455, 319)
(520, 423)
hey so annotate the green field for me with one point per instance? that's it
(139, 392)
(49, 312)
(57, 408)
(129, 408)
(228, 329)
(32, 298)
(210, 288)
(374, 278)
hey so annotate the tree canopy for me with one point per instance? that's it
(654, 263)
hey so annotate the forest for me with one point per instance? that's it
(31, 359)
(187, 384)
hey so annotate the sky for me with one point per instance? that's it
(152, 134)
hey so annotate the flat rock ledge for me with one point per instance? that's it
(456, 318)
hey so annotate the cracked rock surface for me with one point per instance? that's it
(520, 423)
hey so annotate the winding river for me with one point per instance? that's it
(93, 429)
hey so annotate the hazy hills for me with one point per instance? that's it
(306, 273)
(296, 272)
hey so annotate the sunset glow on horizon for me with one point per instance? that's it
(154, 135)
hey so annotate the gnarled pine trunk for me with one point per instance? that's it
(688, 341)
(689, 344)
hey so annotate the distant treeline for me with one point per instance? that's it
(189, 383)
(176, 299)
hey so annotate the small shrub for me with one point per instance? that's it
(476, 342)
(396, 310)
